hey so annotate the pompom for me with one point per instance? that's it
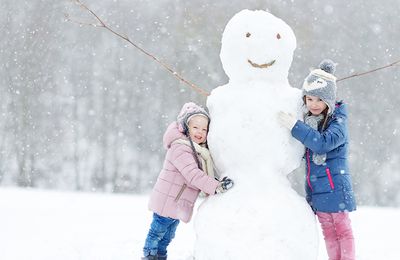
(328, 66)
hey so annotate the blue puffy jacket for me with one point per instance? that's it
(328, 186)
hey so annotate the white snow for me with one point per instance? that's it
(250, 146)
(44, 225)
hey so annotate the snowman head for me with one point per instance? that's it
(256, 45)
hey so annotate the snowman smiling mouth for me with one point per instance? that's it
(261, 66)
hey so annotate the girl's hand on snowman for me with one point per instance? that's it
(224, 185)
(286, 120)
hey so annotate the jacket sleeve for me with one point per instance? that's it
(182, 158)
(332, 137)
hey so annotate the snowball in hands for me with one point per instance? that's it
(262, 217)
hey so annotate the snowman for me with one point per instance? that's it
(262, 217)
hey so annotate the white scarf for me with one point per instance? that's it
(313, 122)
(206, 160)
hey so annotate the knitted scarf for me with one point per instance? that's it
(207, 164)
(313, 122)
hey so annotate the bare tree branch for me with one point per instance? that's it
(164, 65)
(370, 71)
(168, 68)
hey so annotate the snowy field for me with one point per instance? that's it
(42, 225)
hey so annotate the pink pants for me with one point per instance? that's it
(338, 235)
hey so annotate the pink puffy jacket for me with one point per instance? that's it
(180, 181)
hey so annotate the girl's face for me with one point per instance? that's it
(315, 105)
(198, 129)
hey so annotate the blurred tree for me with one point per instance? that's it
(83, 110)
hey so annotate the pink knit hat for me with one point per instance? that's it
(189, 110)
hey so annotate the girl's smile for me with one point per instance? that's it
(315, 105)
(198, 129)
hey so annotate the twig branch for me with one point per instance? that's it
(164, 65)
(168, 68)
(370, 71)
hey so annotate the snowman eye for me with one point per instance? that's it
(278, 36)
(248, 35)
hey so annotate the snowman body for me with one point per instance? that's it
(262, 217)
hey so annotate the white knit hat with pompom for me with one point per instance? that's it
(322, 83)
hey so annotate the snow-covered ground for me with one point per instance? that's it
(43, 225)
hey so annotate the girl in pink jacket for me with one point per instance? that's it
(187, 170)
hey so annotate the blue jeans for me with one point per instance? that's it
(162, 231)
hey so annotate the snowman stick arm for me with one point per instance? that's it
(369, 71)
(164, 65)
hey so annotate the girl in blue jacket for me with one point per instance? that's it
(328, 181)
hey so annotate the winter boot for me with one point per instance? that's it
(161, 257)
(150, 257)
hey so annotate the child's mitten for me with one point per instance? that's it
(224, 185)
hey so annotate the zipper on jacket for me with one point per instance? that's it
(328, 172)
(180, 192)
(308, 169)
